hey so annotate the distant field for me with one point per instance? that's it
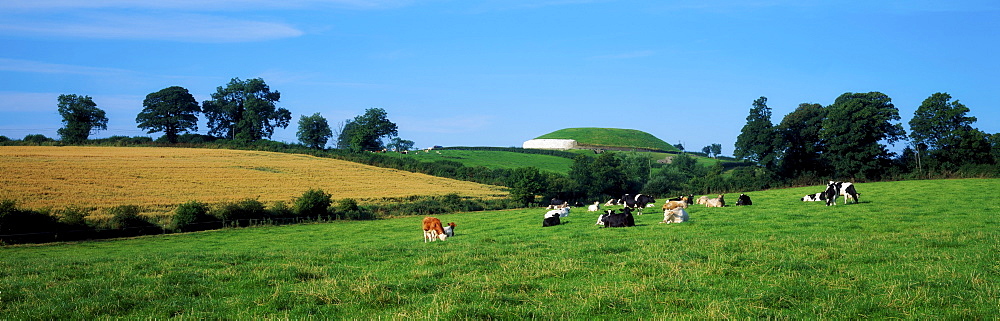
(155, 177)
(897, 255)
(497, 159)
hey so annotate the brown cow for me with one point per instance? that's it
(433, 230)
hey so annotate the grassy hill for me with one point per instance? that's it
(612, 137)
(157, 177)
(896, 255)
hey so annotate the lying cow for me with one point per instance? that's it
(433, 230)
(703, 200)
(834, 189)
(561, 212)
(623, 219)
(672, 204)
(743, 200)
(821, 196)
(676, 215)
(551, 218)
(716, 202)
(689, 199)
(594, 207)
(555, 203)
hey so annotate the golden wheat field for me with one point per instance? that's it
(158, 178)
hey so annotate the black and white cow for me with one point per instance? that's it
(821, 196)
(551, 218)
(638, 201)
(689, 200)
(743, 200)
(834, 189)
(623, 219)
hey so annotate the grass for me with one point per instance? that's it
(898, 254)
(160, 178)
(496, 159)
(611, 137)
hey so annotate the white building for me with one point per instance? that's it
(560, 144)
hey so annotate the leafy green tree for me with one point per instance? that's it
(525, 183)
(599, 176)
(716, 149)
(245, 111)
(941, 128)
(314, 131)
(853, 131)
(757, 139)
(80, 117)
(399, 144)
(365, 132)
(707, 150)
(172, 110)
(800, 145)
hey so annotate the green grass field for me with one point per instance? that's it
(496, 159)
(909, 250)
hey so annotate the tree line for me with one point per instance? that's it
(848, 139)
(243, 110)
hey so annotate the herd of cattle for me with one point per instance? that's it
(674, 209)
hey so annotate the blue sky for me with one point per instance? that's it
(499, 72)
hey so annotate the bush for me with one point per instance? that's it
(313, 202)
(23, 226)
(125, 221)
(240, 213)
(192, 216)
(37, 139)
(281, 209)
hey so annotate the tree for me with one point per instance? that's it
(365, 132)
(80, 117)
(314, 131)
(172, 110)
(717, 149)
(941, 128)
(400, 145)
(525, 183)
(853, 131)
(707, 150)
(245, 111)
(757, 139)
(800, 145)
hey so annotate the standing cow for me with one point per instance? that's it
(834, 189)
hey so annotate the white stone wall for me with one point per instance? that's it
(562, 144)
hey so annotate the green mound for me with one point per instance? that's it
(612, 138)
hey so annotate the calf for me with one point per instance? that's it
(676, 215)
(743, 200)
(595, 207)
(716, 202)
(821, 196)
(613, 201)
(703, 200)
(449, 229)
(433, 230)
(835, 189)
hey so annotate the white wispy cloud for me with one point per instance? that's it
(19, 65)
(177, 27)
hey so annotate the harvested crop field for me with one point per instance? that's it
(157, 177)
